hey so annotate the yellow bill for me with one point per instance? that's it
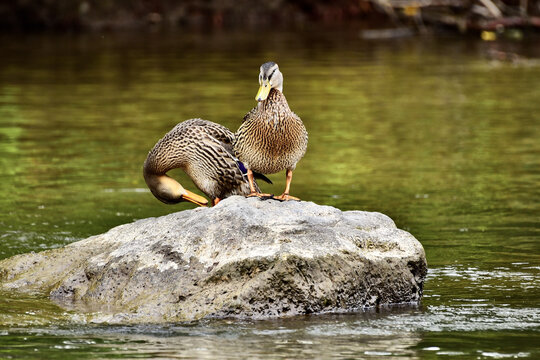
(264, 90)
(194, 198)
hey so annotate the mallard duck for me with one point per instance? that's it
(271, 138)
(203, 150)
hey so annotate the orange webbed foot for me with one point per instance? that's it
(286, 197)
(261, 195)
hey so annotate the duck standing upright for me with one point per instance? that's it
(271, 138)
(202, 149)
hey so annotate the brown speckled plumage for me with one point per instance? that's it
(271, 138)
(203, 150)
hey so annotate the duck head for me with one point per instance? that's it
(169, 191)
(269, 78)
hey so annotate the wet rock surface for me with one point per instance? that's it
(244, 258)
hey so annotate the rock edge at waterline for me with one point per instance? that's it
(244, 258)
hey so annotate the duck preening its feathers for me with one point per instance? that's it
(204, 151)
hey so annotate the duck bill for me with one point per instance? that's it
(194, 198)
(263, 92)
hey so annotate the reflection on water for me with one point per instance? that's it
(409, 333)
(431, 131)
(221, 341)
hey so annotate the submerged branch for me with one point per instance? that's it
(479, 15)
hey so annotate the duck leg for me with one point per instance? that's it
(285, 196)
(252, 187)
(216, 201)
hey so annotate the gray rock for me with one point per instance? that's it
(245, 258)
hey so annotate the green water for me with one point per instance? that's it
(431, 131)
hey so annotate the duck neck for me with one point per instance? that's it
(164, 188)
(164, 156)
(275, 101)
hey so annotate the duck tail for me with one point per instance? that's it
(261, 177)
(256, 175)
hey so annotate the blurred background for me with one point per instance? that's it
(462, 15)
(424, 110)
